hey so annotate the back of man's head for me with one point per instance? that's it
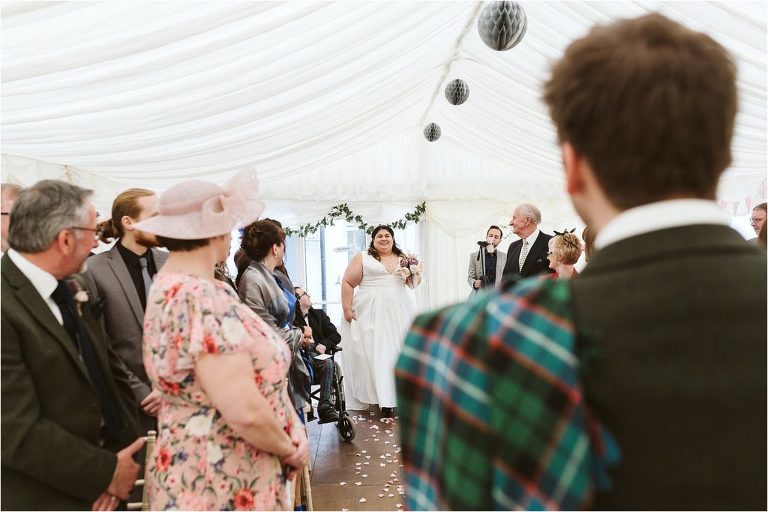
(125, 204)
(42, 211)
(650, 105)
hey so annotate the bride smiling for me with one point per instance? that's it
(376, 319)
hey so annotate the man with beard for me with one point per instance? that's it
(121, 278)
(493, 264)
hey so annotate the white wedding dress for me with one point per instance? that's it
(384, 308)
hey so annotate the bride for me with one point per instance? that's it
(375, 322)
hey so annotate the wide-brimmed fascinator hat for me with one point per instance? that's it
(197, 209)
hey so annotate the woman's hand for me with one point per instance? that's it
(300, 457)
(349, 314)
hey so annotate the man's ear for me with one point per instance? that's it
(65, 241)
(573, 163)
(127, 223)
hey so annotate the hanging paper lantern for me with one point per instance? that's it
(432, 132)
(457, 91)
(502, 25)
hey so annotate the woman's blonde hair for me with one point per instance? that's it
(567, 248)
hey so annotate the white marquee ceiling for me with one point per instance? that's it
(326, 100)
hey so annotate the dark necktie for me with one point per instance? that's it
(74, 326)
(145, 274)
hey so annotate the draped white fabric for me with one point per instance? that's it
(327, 101)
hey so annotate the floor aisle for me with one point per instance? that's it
(361, 475)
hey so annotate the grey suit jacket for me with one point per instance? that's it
(672, 330)
(476, 269)
(123, 315)
(51, 413)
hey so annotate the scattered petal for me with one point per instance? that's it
(358, 483)
(399, 505)
(364, 451)
(342, 483)
(363, 500)
(367, 463)
(389, 482)
(367, 456)
(365, 476)
(382, 464)
(381, 495)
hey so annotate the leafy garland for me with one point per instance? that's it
(342, 211)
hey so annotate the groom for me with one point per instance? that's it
(509, 401)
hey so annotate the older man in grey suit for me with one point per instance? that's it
(486, 272)
(121, 278)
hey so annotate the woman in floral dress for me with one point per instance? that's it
(228, 435)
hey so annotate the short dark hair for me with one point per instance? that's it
(174, 244)
(494, 227)
(650, 105)
(260, 236)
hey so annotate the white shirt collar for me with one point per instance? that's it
(660, 215)
(44, 282)
(532, 237)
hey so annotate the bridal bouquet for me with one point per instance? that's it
(410, 268)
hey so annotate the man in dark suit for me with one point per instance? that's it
(68, 415)
(528, 256)
(640, 384)
(320, 336)
(120, 278)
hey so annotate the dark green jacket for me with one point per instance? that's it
(673, 330)
(51, 415)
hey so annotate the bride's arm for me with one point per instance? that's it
(352, 277)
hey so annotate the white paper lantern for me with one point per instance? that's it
(457, 92)
(502, 25)
(432, 132)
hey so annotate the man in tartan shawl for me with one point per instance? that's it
(524, 397)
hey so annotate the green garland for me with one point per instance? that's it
(342, 211)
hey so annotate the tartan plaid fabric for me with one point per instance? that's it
(492, 416)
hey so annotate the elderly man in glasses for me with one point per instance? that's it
(320, 336)
(757, 219)
(68, 415)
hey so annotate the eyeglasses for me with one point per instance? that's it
(97, 232)
(303, 294)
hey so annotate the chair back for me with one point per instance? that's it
(150, 438)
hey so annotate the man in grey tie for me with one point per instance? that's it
(527, 256)
(121, 278)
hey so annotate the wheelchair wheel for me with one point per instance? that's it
(346, 428)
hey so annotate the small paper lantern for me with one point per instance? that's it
(502, 25)
(432, 132)
(457, 92)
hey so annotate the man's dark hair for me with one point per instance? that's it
(651, 106)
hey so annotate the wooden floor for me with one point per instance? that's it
(364, 474)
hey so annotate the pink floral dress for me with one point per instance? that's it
(199, 461)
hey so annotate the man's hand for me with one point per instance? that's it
(478, 283)
(151, 403)
(320, 348)
(105, 502)
(126, 471)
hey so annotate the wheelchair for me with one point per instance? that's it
(345, 425)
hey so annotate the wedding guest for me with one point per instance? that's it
(757, 219)
(509, 401)
(493, 263)
(320, 336)
(375, 321)
(528, 256)
(564, 252)
(68, 415)
(120, 278)
(229, 435)
(263, 243)
(8, 193)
